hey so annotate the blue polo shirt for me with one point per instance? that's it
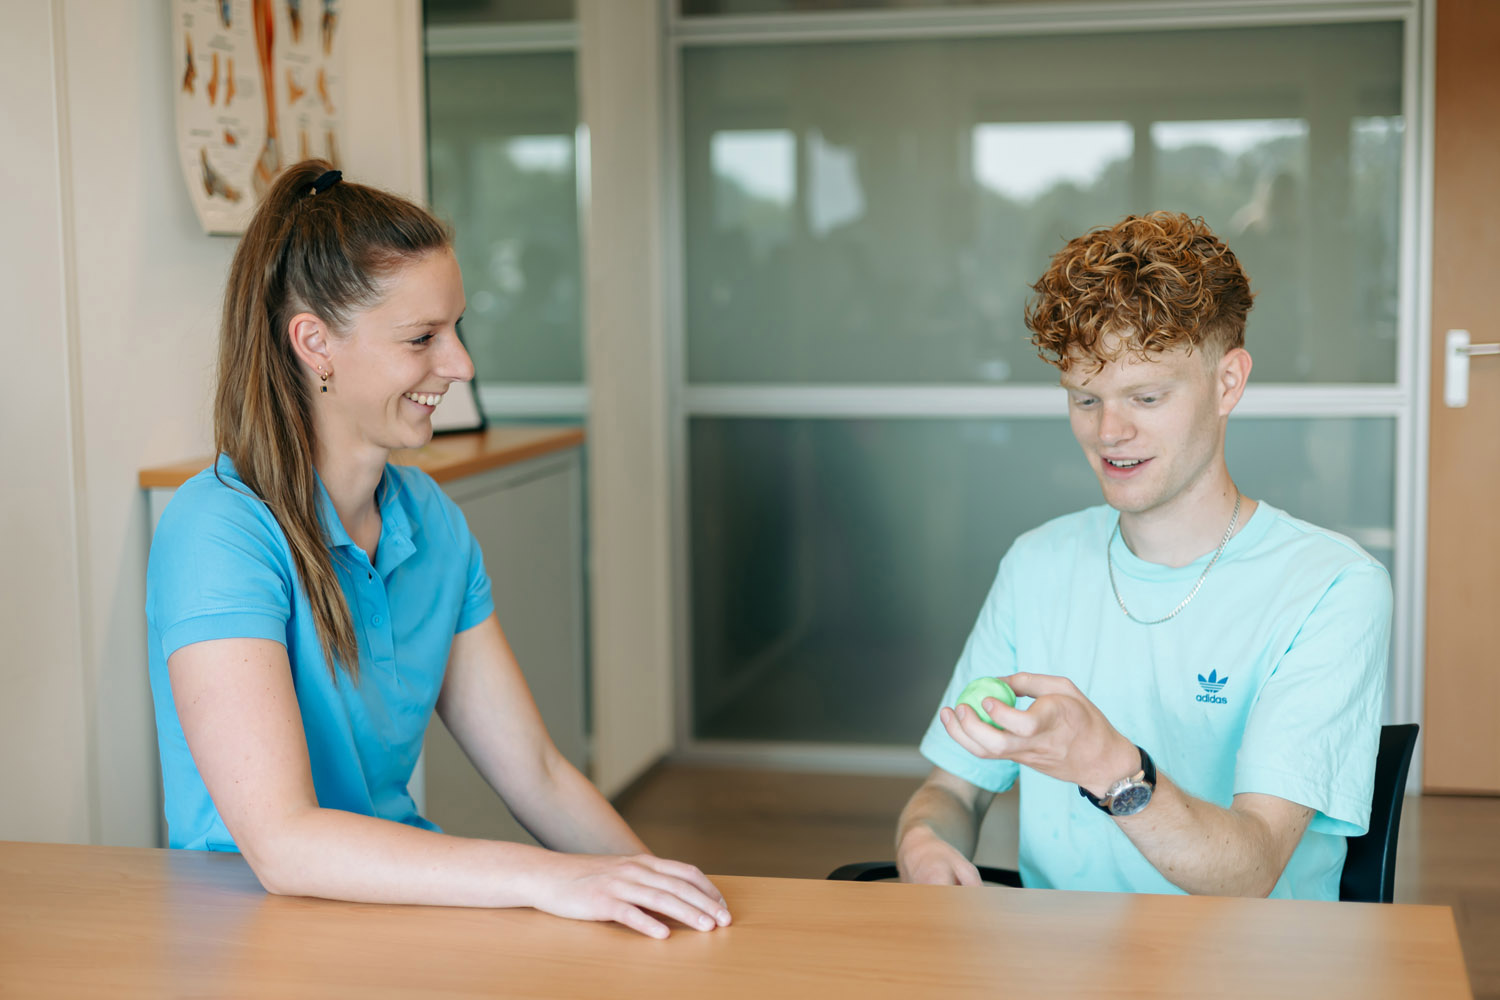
(1271, 680)
(221, 568)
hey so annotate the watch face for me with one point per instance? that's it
(1131, 799)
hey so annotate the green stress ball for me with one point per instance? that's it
(981, 688)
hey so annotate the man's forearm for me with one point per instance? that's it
(937, 810)
(939, 830)
(1208, 850)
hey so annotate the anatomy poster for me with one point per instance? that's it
(259, 87)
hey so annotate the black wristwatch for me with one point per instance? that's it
(1129, 795)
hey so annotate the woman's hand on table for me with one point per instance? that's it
(623, 889)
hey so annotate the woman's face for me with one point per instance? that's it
(397, 360)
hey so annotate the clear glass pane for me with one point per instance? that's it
(758, 184)
(503, 170)
(1024, 160)
(435, 12)
(874, 212)
(838, 565)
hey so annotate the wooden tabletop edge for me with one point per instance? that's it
(480, 454)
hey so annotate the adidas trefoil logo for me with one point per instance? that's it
(1212, 685)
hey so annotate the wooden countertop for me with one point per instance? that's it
(132, 922)
(446, 457)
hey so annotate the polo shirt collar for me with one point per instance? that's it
(396, 526)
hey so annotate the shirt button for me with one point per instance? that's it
(377, 620)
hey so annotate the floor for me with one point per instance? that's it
(732, 821)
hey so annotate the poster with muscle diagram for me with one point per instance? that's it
(260, 85)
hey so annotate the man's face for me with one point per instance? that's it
(1152, 429)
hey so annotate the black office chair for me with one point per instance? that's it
(879, 871)
(1369, 874)
(1370, 864)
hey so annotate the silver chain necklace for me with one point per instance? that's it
(1110, 562)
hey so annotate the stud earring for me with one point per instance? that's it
(323, 376)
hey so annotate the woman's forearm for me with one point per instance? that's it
(342, 855)
(563, 810)
(334, 854)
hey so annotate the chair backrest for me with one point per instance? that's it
(1370, 866)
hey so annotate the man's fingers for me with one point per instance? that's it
(985, 741)
(1036, 685)
(967, 875)
(956, 730)
(1013, 720)
(932, 876)
(995, 742)
(958, 724)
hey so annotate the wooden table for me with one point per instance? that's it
(130, 922)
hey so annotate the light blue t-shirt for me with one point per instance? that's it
(1272, 680)
(221, 568)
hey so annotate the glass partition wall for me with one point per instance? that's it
(506, 162)
(861, 192)
(865, 426)
(504, 166)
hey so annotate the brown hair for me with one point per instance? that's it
(326, 252)
(1156, 281)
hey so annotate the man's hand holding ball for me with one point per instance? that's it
(980, 688)
(1060, 734)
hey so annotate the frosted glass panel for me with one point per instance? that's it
(443, 12)
(1374, 245)
(700, 7)
(874, 212)
(838, 565)
(503, 171)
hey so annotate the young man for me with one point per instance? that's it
(1207, 671)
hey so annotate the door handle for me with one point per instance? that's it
(1456, 357)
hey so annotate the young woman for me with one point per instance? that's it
(310, 604)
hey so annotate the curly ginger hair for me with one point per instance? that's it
(1148, 284)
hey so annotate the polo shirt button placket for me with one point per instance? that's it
(382, 646)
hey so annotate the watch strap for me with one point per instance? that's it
(1148, 769)
(1147, 776)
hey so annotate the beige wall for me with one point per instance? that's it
(629, 481)
(113, 295)
(43, 724)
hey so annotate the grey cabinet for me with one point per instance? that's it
(528, 518)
